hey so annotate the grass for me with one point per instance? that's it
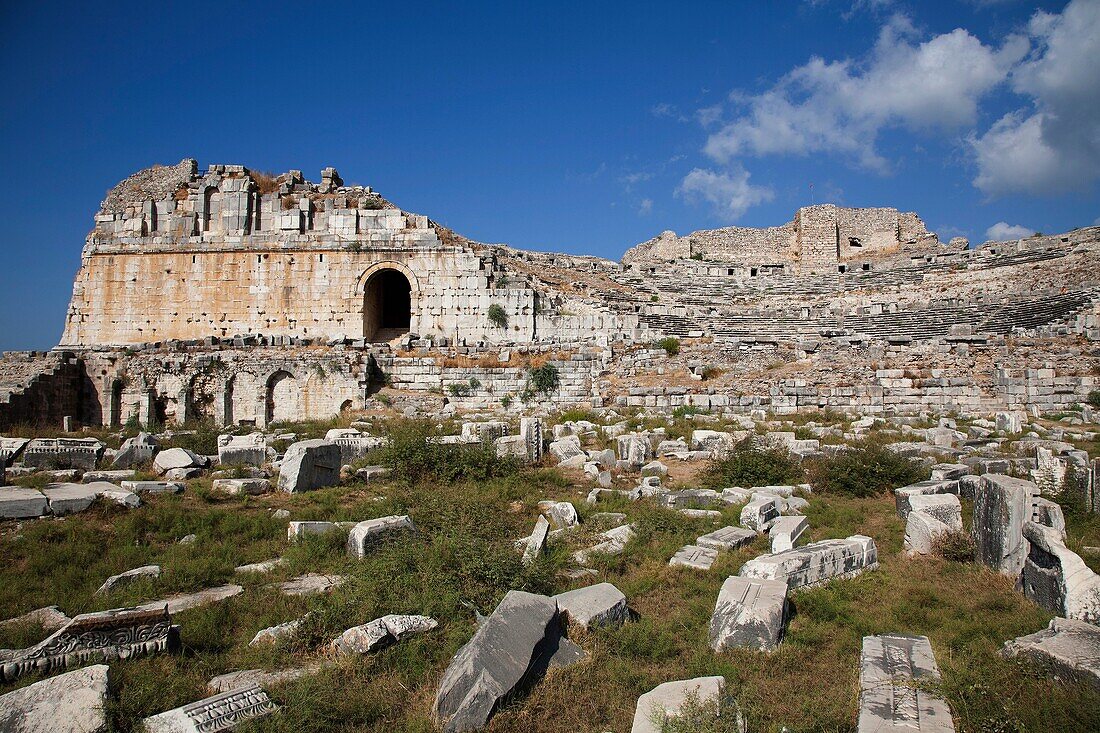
(462, 560)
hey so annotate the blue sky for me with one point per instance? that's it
(574, 127)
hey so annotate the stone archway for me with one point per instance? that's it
(387, 305)
(283, 398)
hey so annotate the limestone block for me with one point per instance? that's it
(309, 464)
(785, 532)
(1002, 505)
(758, 513)
(536, 543)
(265, 566)
(217, 713)
(297, 530)
(511, 445)
(172, 458)
(17, 502)
(365, 535)
(655, 468)
(665, 701)
(69, 498)
(815, 563)
(242, 450)
(695, 557)
(1049, 514)
(1010, 422)
(136, 451)
(726, 538)
(890, 698)
(258, 678)
(186, 601)
(613, 543)
(277, 633)
(1057, 579)
(568, 449)
(73, 702)
(381, 632)
(561, 513)
(78, 453)
(714, 442)
(530, 428)
(634, 449)
(944, 507)
(902, 495)
(50, 618)
(504, 652)
(595, 605)
(122, 579)
(949, 471)
(310, 584)
(237, 486)
(749, 613)
(921, 533)
(153, 487)
(1069, 649)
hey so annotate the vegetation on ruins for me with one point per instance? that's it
(415, 455)
(954, 545)
(1094, 398)
(542, 380)
(670, 344)
(748, 466)
(497, 315)
(865, 469)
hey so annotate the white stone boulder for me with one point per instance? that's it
(891, 696)
(381, 633)
(136, 451)
(1069, 649)
(613, 543)
(726, 538)
(145, 572)
(17, 502)
(1002, 505)
(175, 458)
(749, 613)
(1057, 579)
(365, 535)
(815, 563)
(153, 487)
(694, 557)
(536, 543)
(561, 513)
(67, 498)
(595, 605)
(221, 712)
(665, 701)
(297, 530)
(73, 702)
(568, 451)
(242, 450)
(115, 494)
(277, 633)
(759, 512)
(238, 486)
(309, 464)
(785, 532)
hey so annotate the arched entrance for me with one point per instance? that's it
(387, 305)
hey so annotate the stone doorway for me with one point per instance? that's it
(387, 306)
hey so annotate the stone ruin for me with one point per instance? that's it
(241, 297)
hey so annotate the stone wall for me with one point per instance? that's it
(39, 388)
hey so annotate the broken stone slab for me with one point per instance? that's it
(1010, 422)
(136, 451)
(568, 450)
(921, 488)
(238, 486)
(310, 584)
(613, 543)
(665, 701)
(561, 513)
(595, 605)
(117, 581)
(922, 531)
(242, 450)
(113, 493)
(73, 702)
(944, 507)
(11, 449)
(635, 449)
(1002, 505)
(726, 538)
(276, 633)
(510, 649)
(72, 453)
(17, 502)
(153, 487)
(297, 530)
(695, 557)
(693, 498)
(749, 613)
(186, 601)
(815, 563)
(68, 498)
(182, 474)
(174, 458)
(1069, 649)
(105, 636)
(220, 712)
(949, 471)
(700, 513)
(309, 464)
(892, 666)
(365, 535)
(265, 566)
(1057, 579)
(1048, 514)
(381, 633)
(758, 513)
(91, 477)
(785, 532)
(49, 619)
(258, 678)
(536, 543)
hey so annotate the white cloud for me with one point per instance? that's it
(1055, 145)
(1003, 231)
(645, 208)
(841, 106)
(663, 109)
(729, 193)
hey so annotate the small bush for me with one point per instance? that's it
(1094, 398)
(671, 345)
(544, 379)
(864, 470)
(413, 455)
(710, 372)
(498, 316)
(955, 545)
(747, 466)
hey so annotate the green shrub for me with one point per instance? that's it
(544, 379)
(1094, 398)
(413, 455)
(498, 316)
(747, 466)
(200, 438)
(955, 545)
(671, 345)
(864, 470)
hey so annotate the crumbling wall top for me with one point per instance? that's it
(154, 183)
